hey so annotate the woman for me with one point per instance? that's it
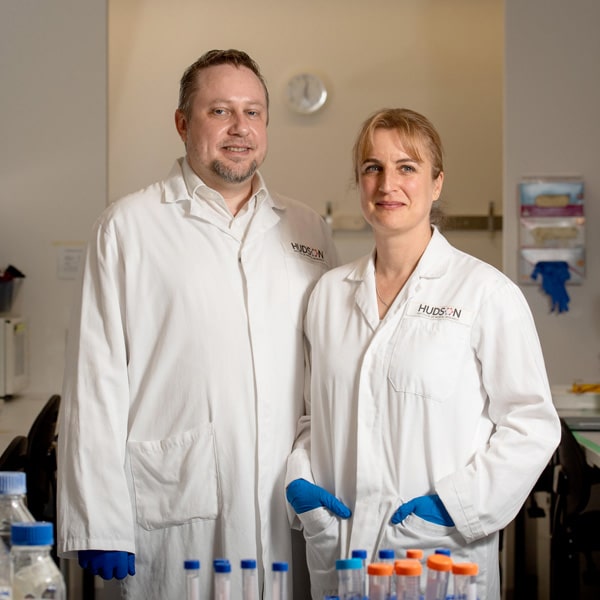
(429, 414)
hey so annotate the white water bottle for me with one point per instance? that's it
(35, 574)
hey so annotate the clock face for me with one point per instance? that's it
(306, 93)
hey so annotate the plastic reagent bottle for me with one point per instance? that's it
(249, 581)
(408, 579)
(279, 581)
(386, 555)
(419, 555)
(349, 580)
(13, 507)
(380, 580)
(192, 579)
(465, 582)
(438, 574)
(35, 572)
(222, 578)
(362, 555)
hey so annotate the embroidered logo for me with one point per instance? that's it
(312, 253)
(431, 311)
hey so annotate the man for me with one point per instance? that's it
(185, 365)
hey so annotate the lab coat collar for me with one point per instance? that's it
(432, 265)
(176, 189)
(434, 262)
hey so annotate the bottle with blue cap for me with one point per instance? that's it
(192, 579)
(362, 555)
(249, 579)
(35, 572)
(222, 578)
(349, 580)
(13, 507)
(387, 555)
(279, 581)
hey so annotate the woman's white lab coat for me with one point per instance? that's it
(184, 385)
(448, 394)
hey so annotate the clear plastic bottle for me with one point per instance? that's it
(13, 509)
(222, 578)
(192, 579)
(349, 580)
(279, 581)
(380, 580)
(465, 581)
(418, 554)
(386, 555)
(6, 573)
(249, 579)
(362, 555)
(438, 574)
(35, 572)
(408, 579)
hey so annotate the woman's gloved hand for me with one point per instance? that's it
(107, 563)
(429, 508)
(305, 496)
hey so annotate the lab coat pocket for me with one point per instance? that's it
(322, 535)
(427, 357)
(175, 480)
(415, 532)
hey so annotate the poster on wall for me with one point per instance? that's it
(551, 226)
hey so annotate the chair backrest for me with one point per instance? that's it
(574, 476)
(41, 461)
(14, 456)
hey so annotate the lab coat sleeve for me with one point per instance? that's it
(94, 508)
(298, 463)
(488, 492)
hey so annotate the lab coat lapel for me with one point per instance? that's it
(364, 276)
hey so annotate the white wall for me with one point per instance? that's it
(52, 157)
(552, 95)
(441, 58)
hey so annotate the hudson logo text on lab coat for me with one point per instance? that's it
(314, 253)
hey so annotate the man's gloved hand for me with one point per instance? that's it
(305, 496)
(107, 563)
(429, 508)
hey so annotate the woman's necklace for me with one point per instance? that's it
(380, 298)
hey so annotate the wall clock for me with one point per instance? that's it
(306, 93)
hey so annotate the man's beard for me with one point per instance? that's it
(231, 176)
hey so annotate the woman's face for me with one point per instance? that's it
(397, 191)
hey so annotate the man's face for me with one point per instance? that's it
(225, 135)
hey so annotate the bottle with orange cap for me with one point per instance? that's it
(418, 554)
(380, 580)
(465, 583)
(408, 579)
(439, 567)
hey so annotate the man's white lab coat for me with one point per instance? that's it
(184, 385)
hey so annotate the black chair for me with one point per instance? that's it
(40, 465)
(575, 526)
(14, 456)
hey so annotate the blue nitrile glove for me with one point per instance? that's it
(429, 508)
(554, 275)
(107, 563)
(305, 496)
